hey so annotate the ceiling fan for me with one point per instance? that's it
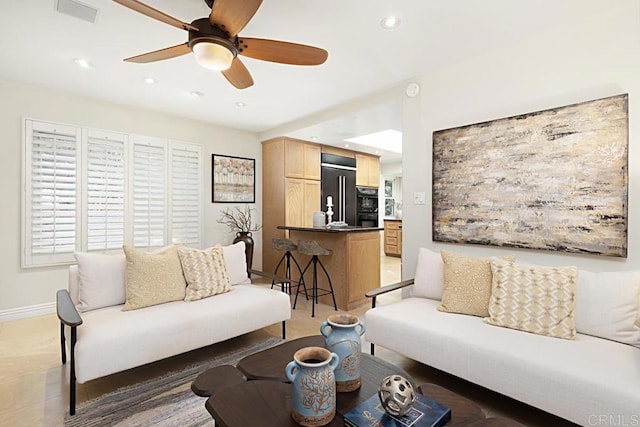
(216, 44)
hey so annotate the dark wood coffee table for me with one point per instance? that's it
(265, 398)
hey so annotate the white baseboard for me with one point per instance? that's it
(29, 311)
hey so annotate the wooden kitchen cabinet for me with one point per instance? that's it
(301, 159)
(291, 190)
(393, 237)
(367, 171)
(302, 199)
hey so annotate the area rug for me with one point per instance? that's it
(163, 401)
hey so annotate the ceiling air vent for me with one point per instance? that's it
(77, 10)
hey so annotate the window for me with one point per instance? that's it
(148, 184)
(51, 172)
(104, 190)
(91, 190)
(186, 217)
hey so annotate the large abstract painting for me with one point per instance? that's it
(550, 180)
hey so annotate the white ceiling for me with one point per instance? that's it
(38, 46)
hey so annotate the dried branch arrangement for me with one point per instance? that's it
(239, 220)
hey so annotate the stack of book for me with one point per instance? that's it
(424, 413)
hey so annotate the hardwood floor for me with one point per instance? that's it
(34, 384)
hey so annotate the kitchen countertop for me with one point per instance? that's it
(348, 229)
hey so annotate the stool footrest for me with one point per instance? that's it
(324, 292)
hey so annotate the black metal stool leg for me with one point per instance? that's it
(286, 287)
(273, 282)
(301, 282)
(314, 292)
(295, 301)
(335, 306)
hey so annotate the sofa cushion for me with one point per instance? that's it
(153, 278)
(101, 280)
(608, 305)
(428, 279)
(533, 299)
(236, 261)
(467, 284)
(204, 271)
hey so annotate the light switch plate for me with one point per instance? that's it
(419, 198)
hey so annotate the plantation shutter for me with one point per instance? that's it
(105, 190)
(149, 192)
(50, 192)
(186, 194)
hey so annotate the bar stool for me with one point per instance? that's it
(287, 246)
(311, 247)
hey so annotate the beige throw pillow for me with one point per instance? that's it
(533, 299)
(467, 284)
(205, 272)
(153, 278)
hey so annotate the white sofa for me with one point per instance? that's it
(589, 380)
(107, 340)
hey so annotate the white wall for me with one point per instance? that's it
(582, 62)
(27, 287)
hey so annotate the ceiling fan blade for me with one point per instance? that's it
(159, 55)
(238, 75)
(233, 15)
(155, 14)
(282, 52)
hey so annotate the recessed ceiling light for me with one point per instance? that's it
(196, 94)
(150, 80)
(82, 63)
(346, 145)
(313, 138)
(240, 104)
(390, 22)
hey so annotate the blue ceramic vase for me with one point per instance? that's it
(342, 334)
(313, 398)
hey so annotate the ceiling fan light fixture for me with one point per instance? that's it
(212, 55)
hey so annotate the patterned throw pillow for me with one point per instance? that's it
(533, 299)
(205, 272)
(153, 278)
(467, 284)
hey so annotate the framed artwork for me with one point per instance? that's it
(233, 179)
(550, 180)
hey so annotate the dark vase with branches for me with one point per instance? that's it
(240, 221)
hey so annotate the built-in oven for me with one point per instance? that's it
(366, 207)
(367, 219)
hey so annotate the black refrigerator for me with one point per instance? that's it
(339, 182)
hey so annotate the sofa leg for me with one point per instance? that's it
(72, 374)
(373, 350)
(63, 348)
(284, 330)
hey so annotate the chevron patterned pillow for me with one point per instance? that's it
(205, 272)
(540, 300)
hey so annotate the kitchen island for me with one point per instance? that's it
(354, 265)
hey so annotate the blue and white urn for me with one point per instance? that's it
(342, 334)
(313, 398)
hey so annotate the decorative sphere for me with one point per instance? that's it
(396, 395)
